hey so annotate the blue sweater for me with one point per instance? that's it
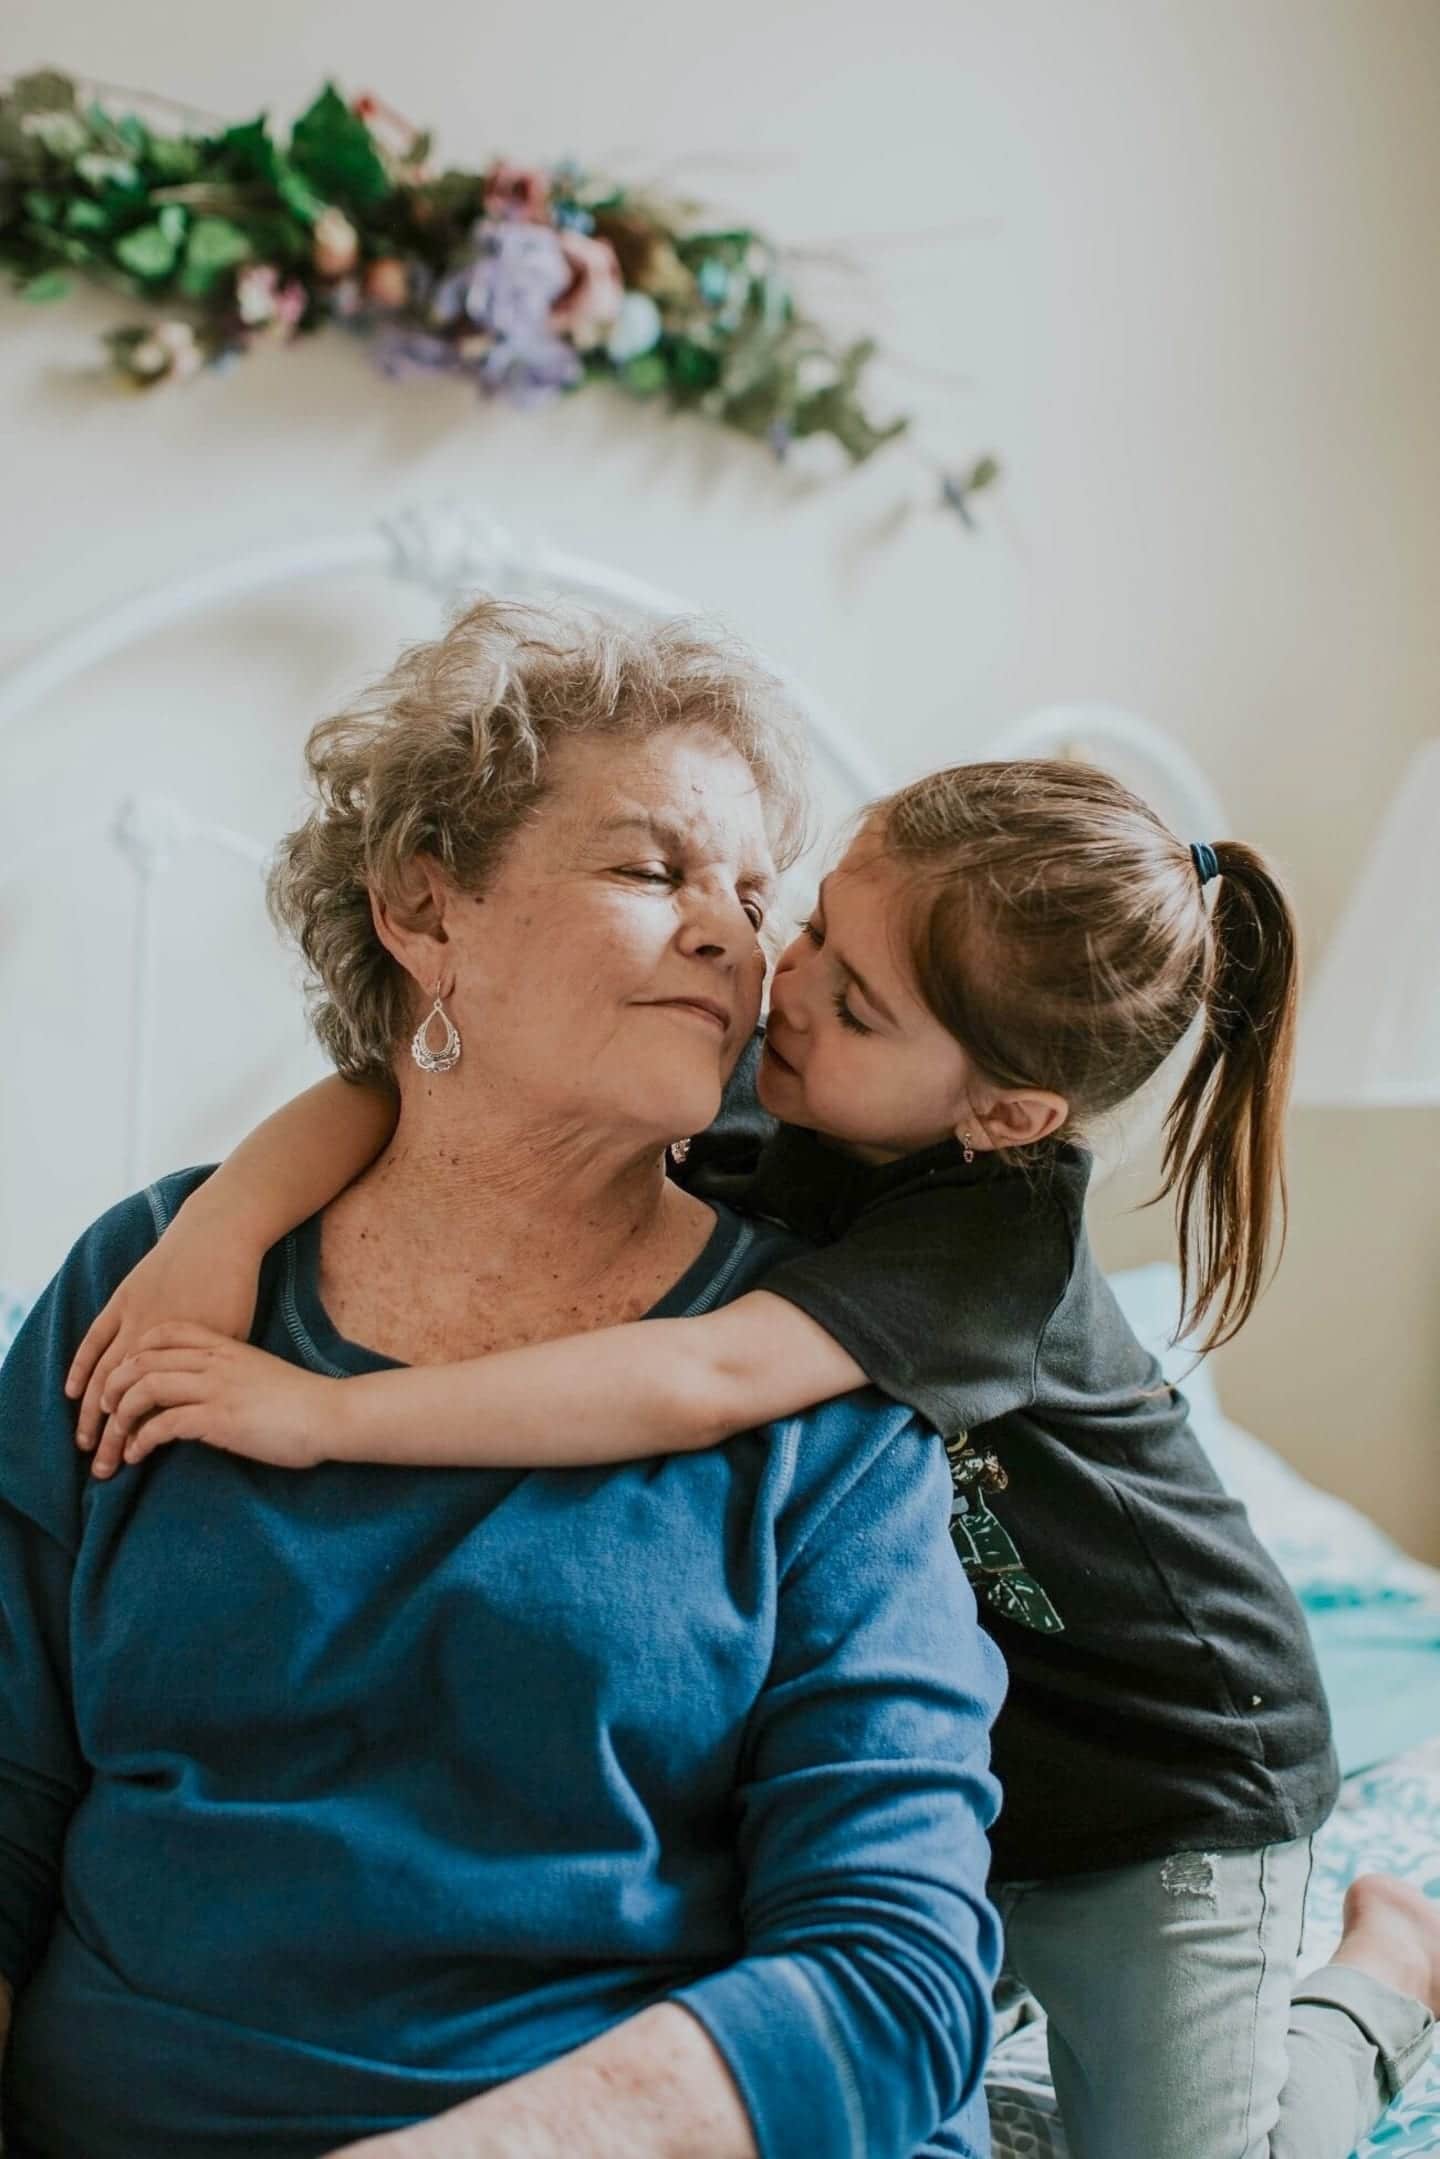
(329, 1800)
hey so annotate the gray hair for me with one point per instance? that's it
(447, 756)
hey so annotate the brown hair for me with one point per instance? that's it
(1061, 935)
(447, 756)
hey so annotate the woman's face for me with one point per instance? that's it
(611, 972)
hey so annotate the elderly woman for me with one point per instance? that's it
(637, 1812)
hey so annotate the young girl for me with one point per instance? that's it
(1006, 952)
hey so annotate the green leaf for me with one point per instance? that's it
(692, 367)
(47, 90)
(82, 215)
(249, 146)
(297, 194)
(42, 206)
(172, 221)
(102, 171)
(172, 159)
(983, 473)
(214, 247)
(148, 252)
(645, 374)
(334, 150)
(63, 134)
(251, 150)
(49, 285)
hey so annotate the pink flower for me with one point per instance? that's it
(264, 303)
(589, 307)
(519, 191)
(336, 244)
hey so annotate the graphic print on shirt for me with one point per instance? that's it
(987, 1550)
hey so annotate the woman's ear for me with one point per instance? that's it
(1015, 1117)
(411, 925)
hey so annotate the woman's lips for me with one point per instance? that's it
(715, 1015)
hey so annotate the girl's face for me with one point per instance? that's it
(850, 1048)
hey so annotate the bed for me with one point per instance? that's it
(145, 831)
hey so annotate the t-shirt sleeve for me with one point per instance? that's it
(720, 1162)
(941, 1296)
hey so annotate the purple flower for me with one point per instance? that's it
(404, 355)
(528, 374)
(510, 284)
(506, 293)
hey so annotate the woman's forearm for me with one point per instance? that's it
(654, 2087)
(657, 1386)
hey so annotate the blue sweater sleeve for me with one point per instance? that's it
(43, 1481)
(859, 2019)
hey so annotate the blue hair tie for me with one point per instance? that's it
(1206, 861)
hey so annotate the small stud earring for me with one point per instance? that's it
(679, 1148)
(447, 1056)
(966, 1149)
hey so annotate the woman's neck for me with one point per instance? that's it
(476, 1232)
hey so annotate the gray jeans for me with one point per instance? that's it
(1175, 2028)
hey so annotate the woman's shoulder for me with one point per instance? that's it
(117, 1239)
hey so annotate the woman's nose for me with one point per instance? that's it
(719, 930)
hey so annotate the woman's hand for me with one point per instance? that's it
(201, 1271)
(188, 1382)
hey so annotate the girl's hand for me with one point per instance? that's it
(197, 1272)
(188, 1382)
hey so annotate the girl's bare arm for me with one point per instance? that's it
(204, 1268)
(654, 1386)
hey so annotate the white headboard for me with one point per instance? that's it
(151, 1014)
(152, 756)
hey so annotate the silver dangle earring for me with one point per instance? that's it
(967, 1152)
(447, 1056)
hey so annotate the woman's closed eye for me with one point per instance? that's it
(656, 873)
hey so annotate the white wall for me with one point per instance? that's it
(1188, 274)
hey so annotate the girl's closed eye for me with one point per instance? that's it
(847, 1018)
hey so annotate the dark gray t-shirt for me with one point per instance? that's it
(1163, 1689)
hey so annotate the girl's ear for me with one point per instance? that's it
(1015, 1117)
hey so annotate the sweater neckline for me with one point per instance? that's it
(325, 1349)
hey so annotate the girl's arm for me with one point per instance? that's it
(654, 1386)
(205, 1266)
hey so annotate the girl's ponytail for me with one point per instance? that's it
(1224, 1134)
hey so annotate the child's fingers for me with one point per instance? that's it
(140, 1364)
(157, 1432)
(92, 1408)
(98, 1336)
(157, 1390)
(109, 1451)
(183, 1334)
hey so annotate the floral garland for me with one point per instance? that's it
(526, 282)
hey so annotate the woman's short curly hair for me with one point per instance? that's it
(446, 757)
